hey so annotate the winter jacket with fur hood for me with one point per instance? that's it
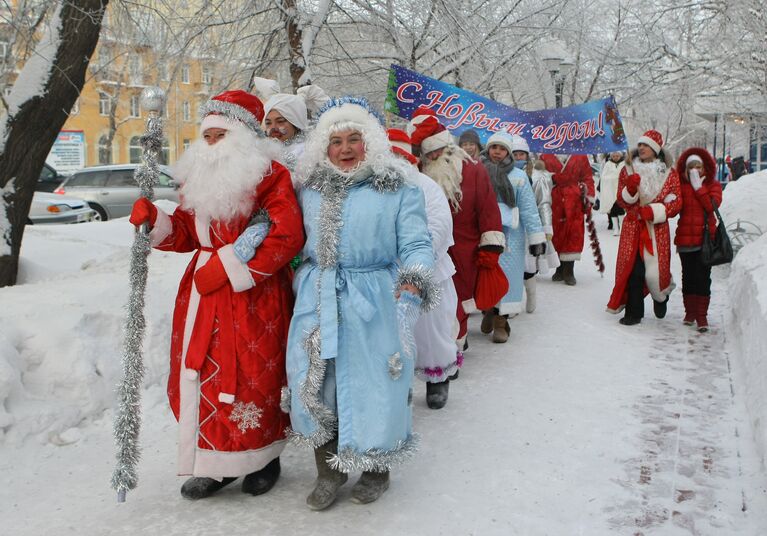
(696, 205)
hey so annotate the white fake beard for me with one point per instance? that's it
(653, 178)
(218, 182)
(447, 172)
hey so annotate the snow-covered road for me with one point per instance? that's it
(577, 425)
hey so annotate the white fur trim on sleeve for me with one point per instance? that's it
(658, 212)
(226, 398)
(536, 238)
(161, 230)
(237, 271)
(492, 238)
(628, 198)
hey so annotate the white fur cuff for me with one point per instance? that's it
(237, 271)
(492, 238)
(628, 198)
(658, 212)
(536, 238)
(163, 227)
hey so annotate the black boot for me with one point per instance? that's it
(568, 273)
(436, 394)
(199, 487)
(261, 481)
(660, 307)
(630, 320)
(558, 273)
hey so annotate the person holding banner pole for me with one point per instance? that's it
(477, 229)
(568, 209)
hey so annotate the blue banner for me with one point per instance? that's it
(590, 128)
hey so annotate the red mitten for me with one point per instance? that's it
(632, 183)
(646, 213)
(143, 211)
(210, 277)
(491, 284)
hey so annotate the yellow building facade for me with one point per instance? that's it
(109, 103)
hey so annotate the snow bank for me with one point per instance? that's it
(61, 329)
(746, 199)
(747, 315)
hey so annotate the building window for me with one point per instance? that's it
(105, 152)
(7, 91)
(134, 68)
(186, 111)
(135, 108)
(104, 104)
(206, 76)
(104, 57)
(185, 73)
(135, 150)
(162, 71)
(3, 50)
(187, 143)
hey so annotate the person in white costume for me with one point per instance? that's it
(437, 358)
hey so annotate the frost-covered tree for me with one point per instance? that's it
(37, 107)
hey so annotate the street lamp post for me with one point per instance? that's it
(558, 68)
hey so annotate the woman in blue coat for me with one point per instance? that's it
(520, 219)
(367, 261)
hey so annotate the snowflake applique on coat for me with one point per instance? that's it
(247, 416)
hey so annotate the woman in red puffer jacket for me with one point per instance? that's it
(700, 190)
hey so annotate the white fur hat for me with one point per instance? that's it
(518, 143)
(503, 139)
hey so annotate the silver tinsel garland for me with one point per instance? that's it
(128, 417)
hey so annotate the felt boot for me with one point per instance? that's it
(501, 329)
(530, 288)
(370, 487)
(328, 479)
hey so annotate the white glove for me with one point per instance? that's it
(695, 179)
(314, 96)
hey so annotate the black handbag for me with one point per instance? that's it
(716, 250)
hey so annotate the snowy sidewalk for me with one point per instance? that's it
(576, 426)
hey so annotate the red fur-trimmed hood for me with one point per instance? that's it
(709, 164)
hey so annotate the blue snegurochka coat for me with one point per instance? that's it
(357, 229)
(527, 222)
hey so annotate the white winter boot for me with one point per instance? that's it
(530, 291)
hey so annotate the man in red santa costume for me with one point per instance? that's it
(649, 191)
(230, 322)
(476, 216)
(573, 180)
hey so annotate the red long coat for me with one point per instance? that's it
(696, 204)
(567, 210)
(477, 223)
(636, 233)
(236, 335)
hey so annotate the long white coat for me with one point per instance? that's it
(436, 331)
(608, 185)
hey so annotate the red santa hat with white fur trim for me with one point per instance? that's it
(427, 132)
(223, 110)
(400, 144)
(653, 139)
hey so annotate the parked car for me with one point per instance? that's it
(111, 190)
(49, 180)
(52, 208)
